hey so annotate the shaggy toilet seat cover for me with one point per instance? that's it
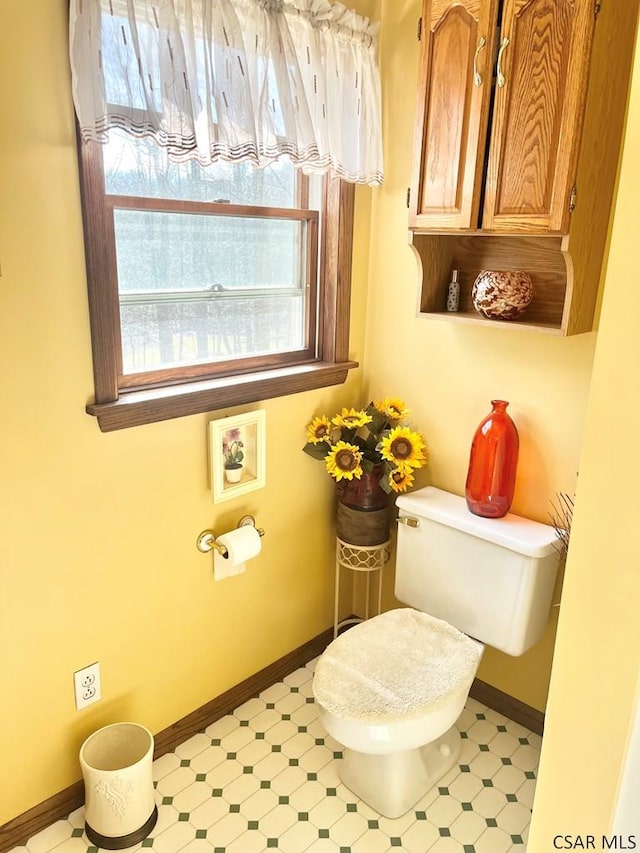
(395, 666)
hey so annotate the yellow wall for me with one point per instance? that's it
(97, 553)
(98, 557)
(448, 373)
(597, 661)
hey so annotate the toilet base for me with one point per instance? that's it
(394, 782)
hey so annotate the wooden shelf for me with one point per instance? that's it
(542, 257)
(470, 220)
(473, 318)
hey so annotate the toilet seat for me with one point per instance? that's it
(395, 667)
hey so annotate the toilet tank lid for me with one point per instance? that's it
(522, 535)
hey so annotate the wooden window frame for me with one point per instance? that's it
(249, 364)
(117, 407)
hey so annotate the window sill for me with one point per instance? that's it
(135, 408)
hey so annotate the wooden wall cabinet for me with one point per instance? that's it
(521, 107)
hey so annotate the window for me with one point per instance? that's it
(210, 287)
(213, 282)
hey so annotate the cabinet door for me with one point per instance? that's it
(454, 93)
(542, 76)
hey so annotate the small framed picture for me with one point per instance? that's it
(237, 455)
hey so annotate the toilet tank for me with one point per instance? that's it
(491, 578)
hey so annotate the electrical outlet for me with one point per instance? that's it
(86, 685)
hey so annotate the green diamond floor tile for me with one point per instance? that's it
(260, 804)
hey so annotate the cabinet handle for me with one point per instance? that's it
(477, 76)
(500, 76)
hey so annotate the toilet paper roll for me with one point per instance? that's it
(241, 545)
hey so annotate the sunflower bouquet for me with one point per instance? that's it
(355, 441)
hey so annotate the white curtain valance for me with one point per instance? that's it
(233, 80)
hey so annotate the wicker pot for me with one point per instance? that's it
(363, 510)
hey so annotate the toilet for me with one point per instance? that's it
(391, 688)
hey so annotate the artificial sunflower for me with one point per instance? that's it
(392, 408)
(404, 447)
(358, 442)
(400, 479)
(344, 461)
(319, 430)
(351, 419)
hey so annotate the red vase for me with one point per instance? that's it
(491, 479)
(366, 493)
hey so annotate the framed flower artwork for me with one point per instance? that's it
(237, 455)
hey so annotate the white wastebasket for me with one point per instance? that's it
(120, 807)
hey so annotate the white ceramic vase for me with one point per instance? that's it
(233, 475)
(120, 808)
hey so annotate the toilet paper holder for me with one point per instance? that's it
(207, 539)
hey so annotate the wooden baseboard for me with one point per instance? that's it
(512, 708)
(168, 739)
(18, 830)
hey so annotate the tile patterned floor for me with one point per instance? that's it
(265, 778)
